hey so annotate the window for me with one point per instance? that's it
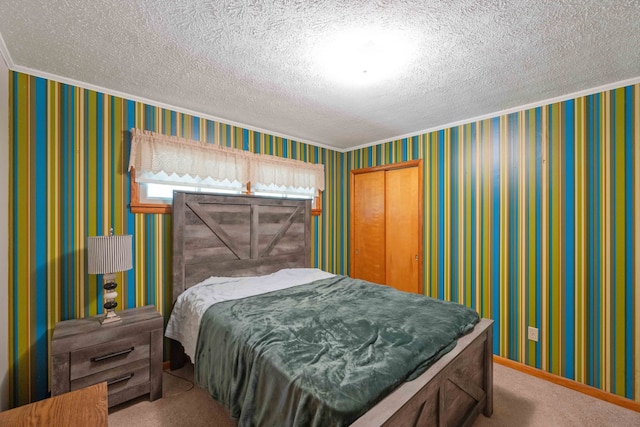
(163, 193)
(292, 193)
(150, 197)
(157, 197)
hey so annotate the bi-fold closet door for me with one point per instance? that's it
(386, 225)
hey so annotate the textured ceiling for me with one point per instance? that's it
(266, 64)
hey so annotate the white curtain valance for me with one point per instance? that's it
(155, 156)
(267, 170)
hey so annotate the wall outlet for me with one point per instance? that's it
(532, 333)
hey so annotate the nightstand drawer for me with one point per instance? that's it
(118, 379)
(98, 358)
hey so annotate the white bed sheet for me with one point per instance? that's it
(191, 305)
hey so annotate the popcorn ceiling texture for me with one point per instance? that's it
(256, 62)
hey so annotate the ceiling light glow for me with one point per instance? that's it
(363, 57)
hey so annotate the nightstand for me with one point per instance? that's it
(127, 355)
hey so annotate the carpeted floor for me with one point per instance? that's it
(519, 400)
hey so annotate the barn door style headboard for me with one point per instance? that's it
(237, 235)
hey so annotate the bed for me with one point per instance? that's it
(237, 236)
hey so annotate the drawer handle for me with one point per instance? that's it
(117, 380)
(110, 355)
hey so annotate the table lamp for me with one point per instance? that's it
(107, 256)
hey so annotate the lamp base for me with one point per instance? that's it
(110, 303)
(110, 317)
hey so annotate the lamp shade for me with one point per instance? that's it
(109, 254)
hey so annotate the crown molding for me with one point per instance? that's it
(84, 85)
(573, 95)
(154, 103)
(4, 53)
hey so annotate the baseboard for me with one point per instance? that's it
(165, 365)
(573, 385)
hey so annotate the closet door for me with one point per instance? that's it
(386, 225)
(402, 229)
(368, 227)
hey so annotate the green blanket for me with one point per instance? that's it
(323, 353)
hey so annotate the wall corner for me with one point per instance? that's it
(4, 234)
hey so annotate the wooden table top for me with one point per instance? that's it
(81, 408)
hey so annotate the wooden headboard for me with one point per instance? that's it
(237, 235)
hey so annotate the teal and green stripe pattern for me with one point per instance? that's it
(69, 151)
(533, 219)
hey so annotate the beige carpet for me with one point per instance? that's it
(519, 400)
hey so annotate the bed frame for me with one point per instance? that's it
(238, 235)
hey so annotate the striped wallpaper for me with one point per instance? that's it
(69, 150)
(532, 218)
(529, 217)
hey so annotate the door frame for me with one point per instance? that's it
(402, 165)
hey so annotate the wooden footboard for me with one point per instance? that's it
(450, 393)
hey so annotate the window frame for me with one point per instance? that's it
(137, 206)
